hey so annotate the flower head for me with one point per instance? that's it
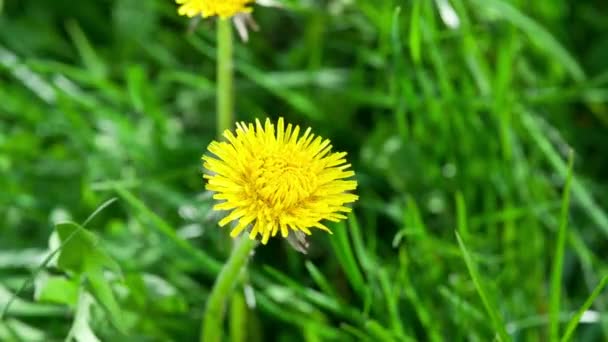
(272, 180)
(208, 8)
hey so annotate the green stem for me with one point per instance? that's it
(212, 328)
(224, 76)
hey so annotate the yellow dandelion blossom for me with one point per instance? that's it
(271, 179)
(209, 8)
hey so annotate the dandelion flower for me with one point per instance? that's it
(208, 8)
(238, 10)
(270, 179)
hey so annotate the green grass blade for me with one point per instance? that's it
(286, 314)
(414, 38)
(95, 65)
(579, 192)
(208, 264)
(356, 332)
(320, 279)
(98, 210)
(464, 308)
(367, 263)
(558, 261)
(538, 34)
(378, 331)
(490, 307)
(391, 296)
(571, 327)
(461, 215)
(295, 99)
(344, 252)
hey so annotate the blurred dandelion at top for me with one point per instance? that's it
(238, 10)
(271, 179)
(208, 8)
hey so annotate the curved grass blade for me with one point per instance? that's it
(491, 309)
(577, 317)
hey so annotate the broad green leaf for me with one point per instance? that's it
(22, 308)
(81, 250)
(81, 254)
(57, 289)
(79, 244)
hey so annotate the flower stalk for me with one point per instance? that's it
(213, 317)
(225, 95)
(212, 327)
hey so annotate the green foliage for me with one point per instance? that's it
(58, 290)
(456, 114)
(81, 256)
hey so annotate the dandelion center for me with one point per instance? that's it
(271, 179)
(282, 182)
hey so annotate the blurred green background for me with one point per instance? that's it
(457, 115)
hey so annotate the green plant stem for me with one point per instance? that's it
(212, 327)
(225, 100)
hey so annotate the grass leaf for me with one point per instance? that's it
(573, 323)
(490, 307)
(558, 259)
